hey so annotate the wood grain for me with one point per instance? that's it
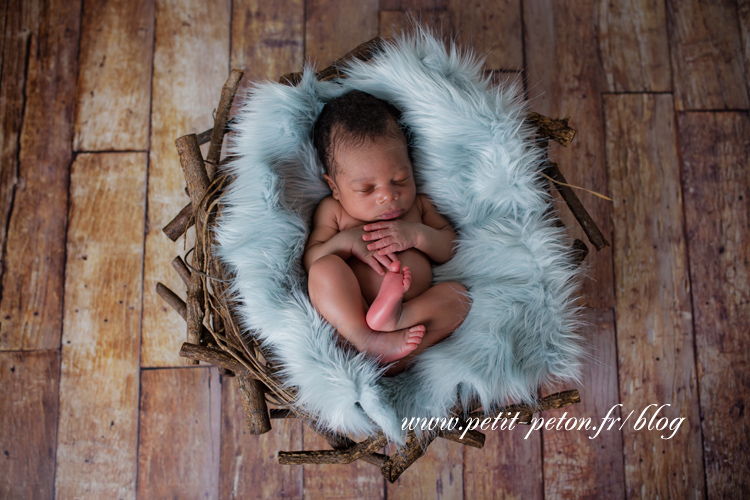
(267, 37)
(99, 376)
(492, 28)
(33, 251)
(706, 48)
(12, 101)
(715, 152)
(191, 59)
(394, 22)
(743, 14)
(413, 5)
(334, 28)
(113, 99)
(249, 468)
(565, 78)
(634, 46)
(580, 463)
(28, 418)
(179, 434)
(355, 480)
(437, 474)
(509, 466)
(653, 314)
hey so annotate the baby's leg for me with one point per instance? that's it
(335, 293)
(385, 311)
(441, 309)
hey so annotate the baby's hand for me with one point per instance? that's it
(370, 257)
(392, 236)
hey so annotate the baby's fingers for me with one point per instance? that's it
(375, 262)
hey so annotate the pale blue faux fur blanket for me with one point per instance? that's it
(473, 158)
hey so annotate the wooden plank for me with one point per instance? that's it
(653, 312)
(394, 22)
(437, 474)
(715, 152)
(249, 468)
(191, 60)
(581, 463)
(413, 6)
(96, 453)
(565, 78)
(28, 418)
(492, 28)
(267, 37)
(743, 14)
(634, 45)
(333, 28)
(355, 480)
(509, 465)
(706, 44)
(113, 99)
(179, 434)
(12, 101)
(32, 281)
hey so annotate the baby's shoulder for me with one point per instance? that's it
(423, 203)
(328, 209)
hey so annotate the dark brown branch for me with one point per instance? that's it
(180, 223)
(222, 114)
(179, 265)
(197, 182)
(342, 442)
(551, 128)
(580, 251)
(254, 404)
(343, 456)
(362, 52)
(593, 233)
(470, 438)
(398, 462)
(551, 402)
(213, 356)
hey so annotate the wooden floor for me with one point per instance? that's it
(96, 403)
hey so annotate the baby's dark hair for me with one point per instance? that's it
(352, 119)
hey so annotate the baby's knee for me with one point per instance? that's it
(461, 296)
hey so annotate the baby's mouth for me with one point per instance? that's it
(391, 215)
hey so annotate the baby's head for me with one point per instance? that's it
(365, 156)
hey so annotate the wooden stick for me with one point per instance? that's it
(176, 303)
(222, 114)
(254, 404)
(179, 265)
(213, 356)
(404, 457)
(343, 456)
(580, 251)
(181, 223)
(472, 438)
(197, 182)
(551, 402)
(593, 233)
(555, 129)
(338, 442)
(363, 52)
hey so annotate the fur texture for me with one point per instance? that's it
(471, 157)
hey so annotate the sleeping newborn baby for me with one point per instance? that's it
(372, 242)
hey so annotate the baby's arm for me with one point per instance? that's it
(326, 239)
(434, 236)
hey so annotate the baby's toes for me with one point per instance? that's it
(407, 278)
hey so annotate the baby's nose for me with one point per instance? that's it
(387, 195)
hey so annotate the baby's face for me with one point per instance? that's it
(375, 180)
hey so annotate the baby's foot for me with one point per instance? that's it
(391, 346)
(385, 311)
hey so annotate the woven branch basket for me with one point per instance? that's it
(213, 334)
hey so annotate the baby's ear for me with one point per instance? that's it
(332, 185)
